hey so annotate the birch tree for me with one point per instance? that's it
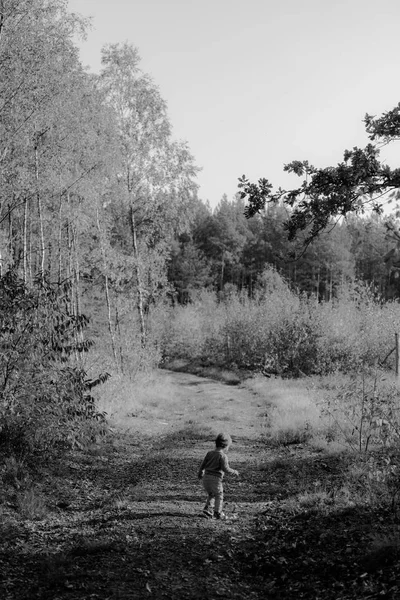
(37, 60)
(156, 176)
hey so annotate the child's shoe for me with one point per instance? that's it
(219, 515)
(207, 513)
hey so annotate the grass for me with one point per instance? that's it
(285, 413)
(330, 413)
(161, 403)
(333, 412)
(149, 396)
(292, 415)
(31, 504)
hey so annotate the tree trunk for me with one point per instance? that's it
(39, 207)
(77, 279)
(70, 262)
(107, 291)
(222, 270)
(60, 241)
(140, 302)
(25, 242)
(1, 18)
(121, 354)
(10, 234)
(30, 248)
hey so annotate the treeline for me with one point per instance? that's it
(225, 251)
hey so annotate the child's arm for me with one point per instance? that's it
(226, 468)
(201, 469)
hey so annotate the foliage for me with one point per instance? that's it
(333, 192)
(284, 332)
(292, 414)
(45, 395)
(365, 410)
(68, 147)
(154, 179)
(222, 248)
(188, 269)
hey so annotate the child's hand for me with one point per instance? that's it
(237, 473)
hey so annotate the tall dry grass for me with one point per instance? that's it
(149, 396)
(335, 412)
(292, 412)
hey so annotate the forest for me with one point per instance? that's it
(115, 273)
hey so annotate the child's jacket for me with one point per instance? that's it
(215, 463)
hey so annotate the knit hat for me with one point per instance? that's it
(223, 440)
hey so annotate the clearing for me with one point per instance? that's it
(122, 521)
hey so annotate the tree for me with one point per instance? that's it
(221, 237)
(188, 269)
(58, 148)
(156, 174)
(39, 69)
(361, 180)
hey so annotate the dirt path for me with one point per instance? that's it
(122, 523)
(125, 522)
(206, 404)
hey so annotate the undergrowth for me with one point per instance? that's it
(354, 417)
(281, 331)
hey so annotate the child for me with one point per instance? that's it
(212, 470)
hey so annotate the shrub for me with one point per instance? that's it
(364, 409)
(283, 332)
(45, 395)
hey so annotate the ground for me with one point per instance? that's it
(123, 521)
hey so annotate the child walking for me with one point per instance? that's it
(212, 470)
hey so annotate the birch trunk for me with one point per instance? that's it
(107, 290)
(10, 234)
(60, 241)
(70, 262)
(222, 270)
(140, 302)
(25, 243)
(39, 207)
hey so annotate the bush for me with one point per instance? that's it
(279, 331)
(45, 395)
(363, 409)
(246, 333)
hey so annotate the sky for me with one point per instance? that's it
(253, 84)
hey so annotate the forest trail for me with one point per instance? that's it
(126, 520)
(206, 404)
(123, 521)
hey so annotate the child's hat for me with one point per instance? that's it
(223, 440)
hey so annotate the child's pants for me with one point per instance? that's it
(215, 491)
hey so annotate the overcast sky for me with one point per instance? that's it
(254, 84)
